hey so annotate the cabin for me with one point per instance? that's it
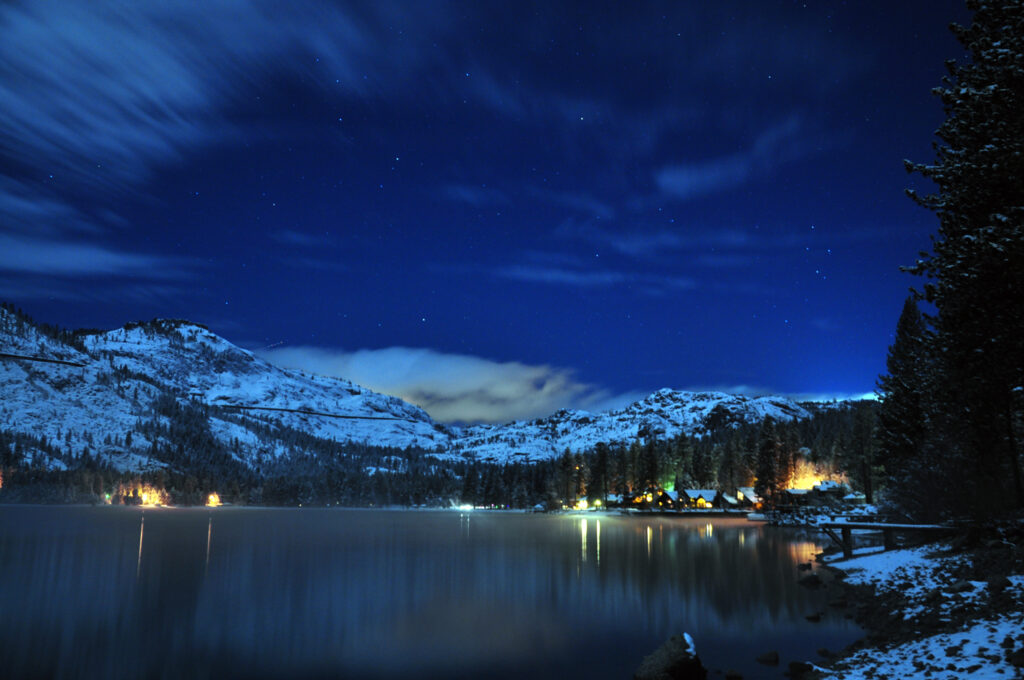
(827, 493)
(614, 500)
(639, 499)
(701, 499)
(667, 500)
(798, 497)
(747, 497)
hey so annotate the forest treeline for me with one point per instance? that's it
(836, 442)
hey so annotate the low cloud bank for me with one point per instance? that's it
(454, 387)
(460, 388)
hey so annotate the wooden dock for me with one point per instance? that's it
(845, 536)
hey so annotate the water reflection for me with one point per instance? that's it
(209, 533)
(389, 594)
(142, 527)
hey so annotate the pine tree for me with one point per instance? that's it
(901, 429)
(682, 462)
(976, 269)
(767, 472)
(599, 471)
(647, 473)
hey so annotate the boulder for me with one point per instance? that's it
(675, 660)
(997, 584)
(798, 669)
(811, 581)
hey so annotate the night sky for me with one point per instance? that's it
(495, 208)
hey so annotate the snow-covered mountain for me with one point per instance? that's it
(116, 395)
(111, 381)
(663, 415)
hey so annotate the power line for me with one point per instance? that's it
(4, 355)
(305, 412)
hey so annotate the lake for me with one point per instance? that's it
(112, 592)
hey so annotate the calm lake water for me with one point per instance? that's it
(274, 593)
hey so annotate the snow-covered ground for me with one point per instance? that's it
(975, 652)
(981, 622)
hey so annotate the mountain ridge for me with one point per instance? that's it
(115, 397)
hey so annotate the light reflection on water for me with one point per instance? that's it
(320, 593)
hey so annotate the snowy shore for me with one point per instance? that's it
(943, 610)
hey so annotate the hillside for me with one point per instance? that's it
(116, 404)
(662, 415)
(168, 393)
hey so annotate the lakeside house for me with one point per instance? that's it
(824, 493)
(748, 498)
(701, 499)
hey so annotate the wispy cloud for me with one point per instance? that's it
(96, 95)
(580, 202)
(451, 387)
(688, 180)
(301, 239)
(826, 324)
(653, 284)
(709, 247)
(625, 240)
(30, 255)
(477, 196)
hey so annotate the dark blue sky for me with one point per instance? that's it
(493, 208)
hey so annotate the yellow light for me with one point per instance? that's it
(597, 503)
(146, 494)
(649, 497)
(214, 500)
(581, 504)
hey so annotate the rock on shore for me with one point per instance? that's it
(675, 660)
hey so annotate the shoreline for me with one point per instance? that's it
(943, 609)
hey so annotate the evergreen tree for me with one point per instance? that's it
(901, 413)
(599, 470)
(682, 460)
(647, 474)
(976, 270)
(767, 473)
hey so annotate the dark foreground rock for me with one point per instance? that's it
(675, 660)
(799, 669)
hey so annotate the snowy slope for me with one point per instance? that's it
(72, 407)
(94, 407)
(193, 361)
(663, 415)
(127, 370)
